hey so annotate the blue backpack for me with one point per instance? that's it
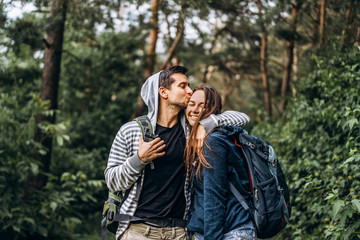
(269, 206)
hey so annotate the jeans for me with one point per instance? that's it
(246, 232)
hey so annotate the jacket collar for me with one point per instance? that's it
(231, 130)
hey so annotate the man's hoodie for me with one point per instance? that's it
(150, 95)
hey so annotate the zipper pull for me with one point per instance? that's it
(257, 195)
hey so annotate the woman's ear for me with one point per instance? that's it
(163, 92)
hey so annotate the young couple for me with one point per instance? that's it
(165, 194)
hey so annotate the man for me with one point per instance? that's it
(155, 192)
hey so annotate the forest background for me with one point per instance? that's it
(70, 75)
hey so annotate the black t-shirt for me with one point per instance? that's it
(162, 194)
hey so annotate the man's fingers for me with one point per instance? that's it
(160, 154)
(155, 141)
(151, 150)
(158, 144)
(158, 149)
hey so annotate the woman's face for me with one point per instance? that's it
(195, 107)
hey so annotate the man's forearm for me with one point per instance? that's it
(122, 177)
(226, 118)
(122, 170)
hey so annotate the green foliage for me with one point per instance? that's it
(99, 85)
(57, 210)
(101, 74)
(26, 31)
(318, 144)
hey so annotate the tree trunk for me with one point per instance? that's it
(150, 59)
(264, 75)
(229, 87)
(208, 73)
(263, 62)
(287, 76)
(289, 60)
(349, 33)
(315, 22)
(49, 86)
(322, 22)
(209, 68)
(357, 42)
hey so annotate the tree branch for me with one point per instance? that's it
(242, 75)
(72, 55)
(276, 62)
(41, 11)
(179, 34)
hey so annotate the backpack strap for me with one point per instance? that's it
(238, 196)
(146, 131)
(115, 199)
(103, 228)
(118, 217)
(146, 128)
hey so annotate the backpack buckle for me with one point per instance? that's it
(111, 215)
(150, 136)
(251, 145)
(274, 162)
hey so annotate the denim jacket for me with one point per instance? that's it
(215, 210)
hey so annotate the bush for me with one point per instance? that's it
(317, 142)
(58, 210)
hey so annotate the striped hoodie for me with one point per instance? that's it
(124, 167)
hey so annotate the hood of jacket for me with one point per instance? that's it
(150, 95)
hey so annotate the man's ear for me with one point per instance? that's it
(163, 92)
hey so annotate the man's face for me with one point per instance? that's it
(179, 93)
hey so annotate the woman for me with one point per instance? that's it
(215, 213)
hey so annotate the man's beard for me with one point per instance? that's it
(180, 106)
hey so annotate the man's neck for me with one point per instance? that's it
(168, 116)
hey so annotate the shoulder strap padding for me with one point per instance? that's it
(145, 126)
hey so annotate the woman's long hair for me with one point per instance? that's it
(194, 156)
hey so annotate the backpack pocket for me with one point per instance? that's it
(271, 199)
(270, 210)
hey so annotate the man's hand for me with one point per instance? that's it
(150, 150)
(200, 136)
